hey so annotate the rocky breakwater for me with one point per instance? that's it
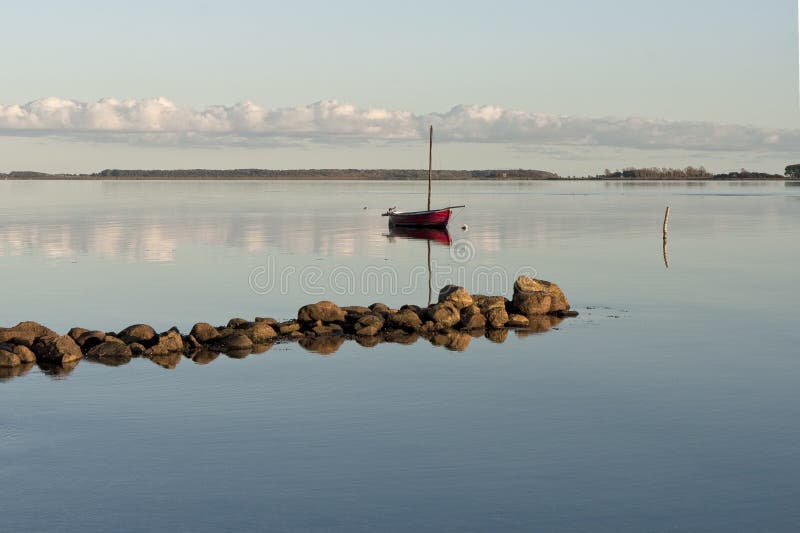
(452, 322)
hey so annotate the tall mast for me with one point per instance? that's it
(430, 166)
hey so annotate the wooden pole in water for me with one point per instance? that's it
(430, 281)
(664, 249)
(430, 166)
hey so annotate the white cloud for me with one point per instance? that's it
(156, 120)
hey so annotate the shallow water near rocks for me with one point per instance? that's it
(669, 404)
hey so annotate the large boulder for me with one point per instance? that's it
(269, 320)
(369, 325)
(89, 339)
(139, 333)
(324, 311)
(497, 317)
(444, 315)
(166, 343)
(37, 329)
(57, 350)
(532, 303)
(204, 332)
(354, 312)
(24, 353)
(405, 319)
(15, 336)
(25, 333)
(260, 333)
(237, 323)
(233, 341)
(472, 318)
(288, 327)
(558, 301)
(380, 308)
(112, 350)
(76, 332)
(458, 296)
(485, 303)
(9, 359)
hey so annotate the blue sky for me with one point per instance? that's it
(706, 61)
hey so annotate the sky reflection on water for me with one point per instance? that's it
(670, 403)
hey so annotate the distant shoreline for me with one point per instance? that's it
(367, 175)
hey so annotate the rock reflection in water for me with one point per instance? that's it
(539, 325)
(109, 360)
(169, 361)
(325, 345)
(7, 373)
(203, 356)
(57, 371)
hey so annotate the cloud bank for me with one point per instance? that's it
(154, 120)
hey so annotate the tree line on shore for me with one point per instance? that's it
(628, 173)
(259, 173)
(690, 172)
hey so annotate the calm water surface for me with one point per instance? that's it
(670, 404)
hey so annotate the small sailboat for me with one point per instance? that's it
(430, 218)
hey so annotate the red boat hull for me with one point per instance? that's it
(437, 218)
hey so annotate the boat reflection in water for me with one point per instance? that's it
(437, 235)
